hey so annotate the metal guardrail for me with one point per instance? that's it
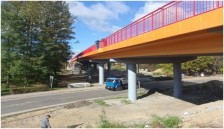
(170, 13)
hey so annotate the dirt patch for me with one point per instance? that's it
(159, 102)
(204, 116)
(77, 104)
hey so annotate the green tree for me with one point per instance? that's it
(166, 68)
(57, 30)
(206, 64)
(35, 39)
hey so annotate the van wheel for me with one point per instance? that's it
(118, 88)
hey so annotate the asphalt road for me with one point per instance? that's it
(17, 104)
(14, 104)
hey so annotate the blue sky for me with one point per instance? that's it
(97, 20)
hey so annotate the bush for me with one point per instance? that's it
(20, 90)
(166, 122)
(5, 91)
(104, 123)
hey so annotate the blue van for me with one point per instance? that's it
(114, 84)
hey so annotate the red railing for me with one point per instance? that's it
(170, 13)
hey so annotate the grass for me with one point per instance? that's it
(165, 122)
(105, 123)
(5, 91)
(140, 94)
(126, 102)
(56, 88)
(121, 97)
(101, 102)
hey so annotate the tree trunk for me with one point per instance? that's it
(7, 82)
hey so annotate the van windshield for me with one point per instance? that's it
(110, 80)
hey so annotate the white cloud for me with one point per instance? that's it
(98, 16)
(148, 7)
(117, 7)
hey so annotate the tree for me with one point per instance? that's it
(57, 30)
(166, 68)
(206, 64)
(35, 37)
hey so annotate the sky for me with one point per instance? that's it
(99, 19)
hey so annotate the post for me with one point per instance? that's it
(101, 74)
(132, 92)
(137, 68)
(139, 86)
(51, 81)
(177, 89)
(94, 67)
(89, 73)
(108, 69)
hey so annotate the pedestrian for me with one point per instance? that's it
(45, 122)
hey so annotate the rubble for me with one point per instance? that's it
(79, 85)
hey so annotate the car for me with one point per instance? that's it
(114, 84)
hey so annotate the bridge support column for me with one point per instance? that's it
(89, 69)
(132, 92)
(177, 89)
(101, 73)
(108, 69)
(94, 68)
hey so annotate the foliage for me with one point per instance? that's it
(150, 67)
(101, 102)
(104, 123)
(20, 90)
(207, 64)
(167, 69)
(35, 37)
(166, 122)
(5, 91)
(119, 67)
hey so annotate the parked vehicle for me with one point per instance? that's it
(114, 84)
